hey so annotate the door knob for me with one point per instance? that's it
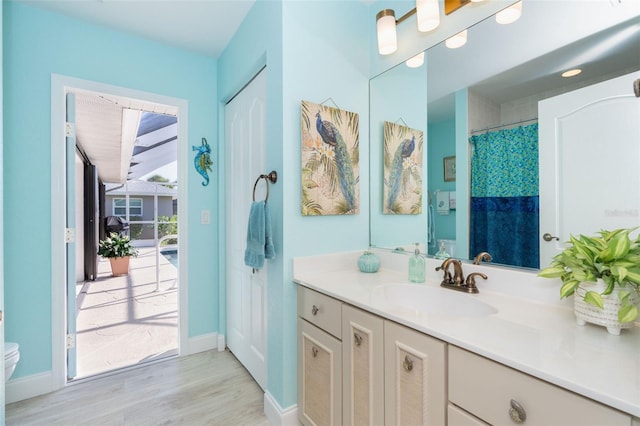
(548, 237)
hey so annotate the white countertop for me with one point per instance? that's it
(537, 334)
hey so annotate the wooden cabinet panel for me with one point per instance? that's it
(459, 417)
(320, 310)
(415, 389)
(319, 376)
(363, 367)
(485, 389)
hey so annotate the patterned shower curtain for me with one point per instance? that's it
(504, 196)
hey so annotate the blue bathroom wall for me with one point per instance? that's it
(320, 52)
(441, 144)
(397, 96)
(2, 399)
(38, 43)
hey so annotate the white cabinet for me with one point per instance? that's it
(363, 367)
(459, 417)
(500, 395)
(319, 359)
(319, 376)
(415, 375)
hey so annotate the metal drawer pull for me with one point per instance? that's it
(516, 412)
(407, 364)
(357, 338)
(314, 310)
(314, 351)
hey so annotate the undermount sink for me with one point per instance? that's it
(420, 299)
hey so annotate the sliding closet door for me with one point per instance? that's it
(245, 146)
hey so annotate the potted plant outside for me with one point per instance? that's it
(604, 273)
(118, 249)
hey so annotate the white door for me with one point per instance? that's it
(71, 228)
(589, 157)
(245, 144)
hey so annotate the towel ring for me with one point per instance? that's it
(273, 177)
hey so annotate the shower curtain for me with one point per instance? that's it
(504, 196)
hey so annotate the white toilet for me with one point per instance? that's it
(11, 358)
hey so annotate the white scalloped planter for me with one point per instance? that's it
(607, 317)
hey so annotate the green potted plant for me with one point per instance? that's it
(603, 271)
(118, 249)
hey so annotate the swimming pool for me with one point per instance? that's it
(171, 254)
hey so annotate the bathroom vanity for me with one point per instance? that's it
(375, 349)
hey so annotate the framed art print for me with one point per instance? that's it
(449, 168)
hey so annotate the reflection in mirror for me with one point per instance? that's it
(493, 85)
(399, 96)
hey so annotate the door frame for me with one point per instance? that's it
(60, 84)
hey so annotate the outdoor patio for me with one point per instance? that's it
(123, 321)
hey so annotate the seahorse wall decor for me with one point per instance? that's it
(203, 160)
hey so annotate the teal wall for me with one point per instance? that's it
(397, 96)
(317, 61)
(36, 44)
(441, 144)
(2, 400)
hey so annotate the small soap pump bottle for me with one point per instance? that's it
(416, 266)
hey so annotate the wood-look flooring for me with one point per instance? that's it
(209, 388)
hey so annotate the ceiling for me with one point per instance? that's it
(203, 26)
(496, 61)
(106, 125)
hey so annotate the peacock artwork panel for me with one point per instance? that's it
(402, 193)
(330, 161)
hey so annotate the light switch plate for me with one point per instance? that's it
(205, 217)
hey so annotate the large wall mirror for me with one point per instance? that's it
(483, 94)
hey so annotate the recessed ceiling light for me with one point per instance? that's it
(572, 73)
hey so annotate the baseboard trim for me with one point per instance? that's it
(221, 343)
(204, 342)
(28, 387)
(277, 415)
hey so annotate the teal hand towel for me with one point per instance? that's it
(259, 241)
(269, 251)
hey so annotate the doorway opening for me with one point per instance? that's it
(127, 181)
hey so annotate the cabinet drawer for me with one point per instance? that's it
(485, 389)
(458, 417)
(320, 310)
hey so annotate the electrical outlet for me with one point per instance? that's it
(205, 217)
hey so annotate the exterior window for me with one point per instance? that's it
(120, 207)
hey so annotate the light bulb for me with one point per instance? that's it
(416, 61)
(510, 14)
(428, 15)
(386, 28)
(457, 40)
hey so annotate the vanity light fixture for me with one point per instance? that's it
(457, 40)
(386, 29)
(510, 14)
(571, 73)
(428, 17)
(416, 61)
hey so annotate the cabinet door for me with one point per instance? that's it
(363, 366)
(415, 392)
(319, 376)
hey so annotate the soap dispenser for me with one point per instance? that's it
(416, 266)
(442, 253)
